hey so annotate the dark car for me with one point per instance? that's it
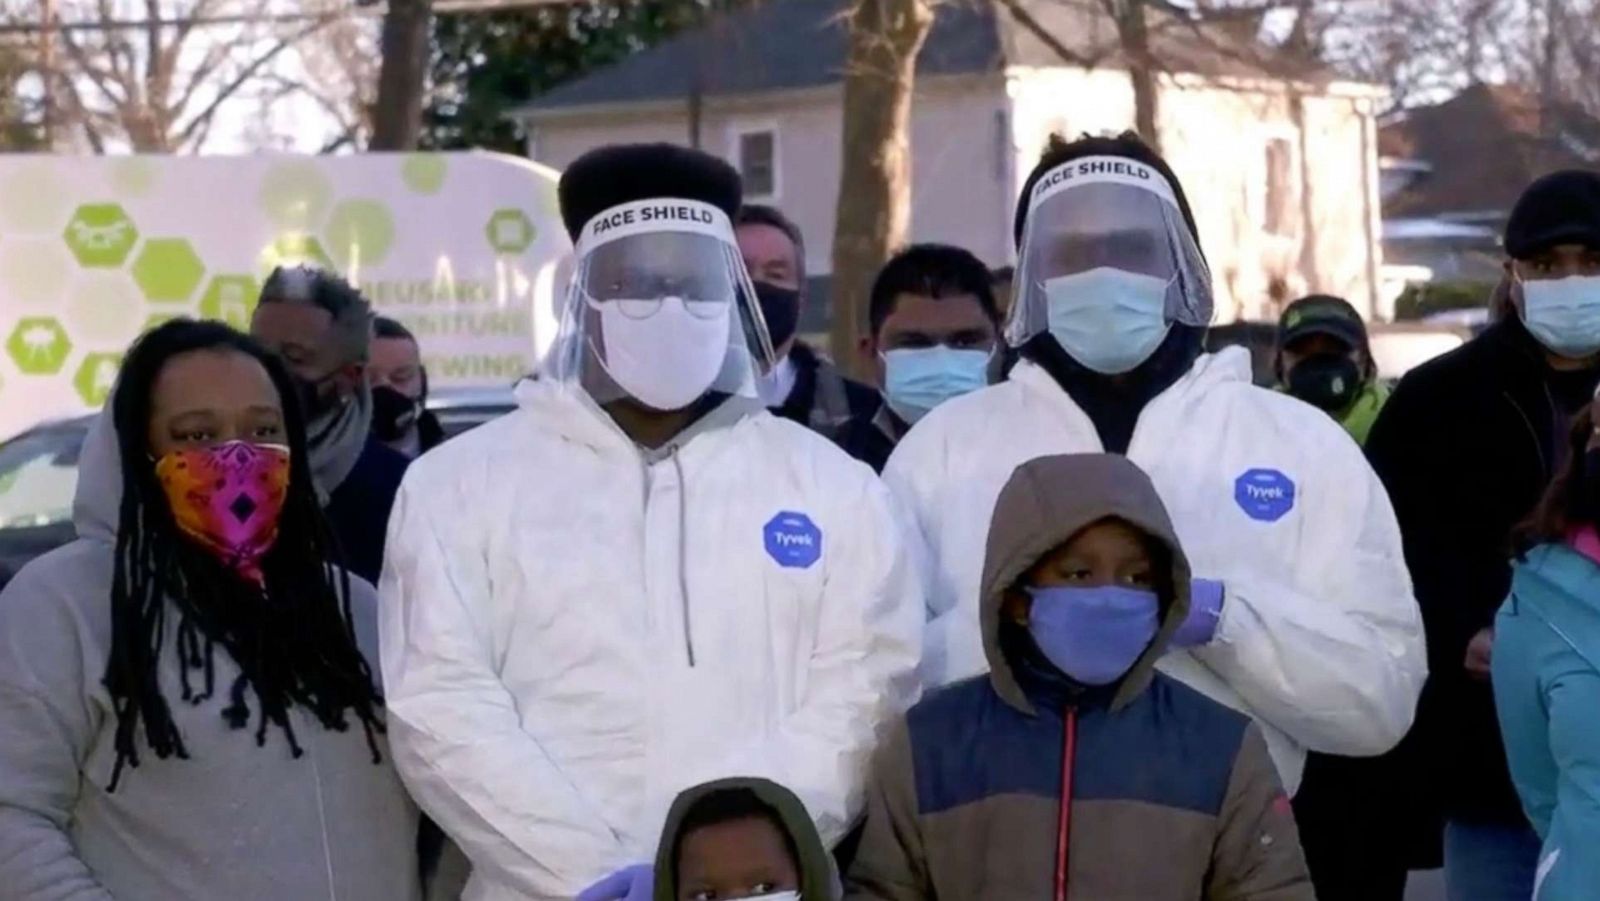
(39, 473)
(38, 477)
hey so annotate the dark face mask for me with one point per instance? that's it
(393, 414)
(1589, 491)
(780, 307)
(316, 396)
(1326, 381)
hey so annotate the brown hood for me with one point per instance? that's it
(1047, 501)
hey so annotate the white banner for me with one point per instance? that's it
(464, 249)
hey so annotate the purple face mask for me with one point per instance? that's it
(1094, 635)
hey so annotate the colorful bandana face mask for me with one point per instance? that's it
(228, 499)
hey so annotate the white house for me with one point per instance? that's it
(1282, 171)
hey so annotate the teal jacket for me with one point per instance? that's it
(1546, 665)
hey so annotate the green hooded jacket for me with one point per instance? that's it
(1363, 412)
(818, 880)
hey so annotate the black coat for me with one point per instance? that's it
(869, 439)
(1466, 447)
(823, 399)
(359, 508)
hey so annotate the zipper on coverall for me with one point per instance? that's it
(1069, 754)
(683, 543)
(683, 553)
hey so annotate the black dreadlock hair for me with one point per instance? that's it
(622, 173)
(1059, 151)
(292, 640)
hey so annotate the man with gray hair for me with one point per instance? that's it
(802, 386)
(322, 329)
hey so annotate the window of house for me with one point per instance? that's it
(1279, 212)
(758, 163)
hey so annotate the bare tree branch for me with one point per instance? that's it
(1026, 20)
(250, 71)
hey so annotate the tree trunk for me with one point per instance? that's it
(1134, 35)
(397, 114)
(874, 209)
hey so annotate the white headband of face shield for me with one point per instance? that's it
(664, 214)
(1100, 170)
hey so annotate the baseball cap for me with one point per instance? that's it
(1322, 314)
(1560, 208)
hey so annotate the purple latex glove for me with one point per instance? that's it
(1205, 612)
(635, 883)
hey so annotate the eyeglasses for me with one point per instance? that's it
(642, 308)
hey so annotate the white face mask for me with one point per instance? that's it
(778, 896)
(669, 358)
(1564, 314)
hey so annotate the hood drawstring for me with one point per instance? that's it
(1069, 755)
(683, 553)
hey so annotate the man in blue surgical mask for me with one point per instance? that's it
(1467, 444)
(935, 329)
(1301, 609)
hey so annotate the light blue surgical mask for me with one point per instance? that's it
(1094, 635)
(1110, 320)
(918, 379)
(1564, 314)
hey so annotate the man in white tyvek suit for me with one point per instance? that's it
(1304, 615)
(640, 580)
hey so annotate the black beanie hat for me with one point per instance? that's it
(622, 173)
(1127, 145)
(1560, 208)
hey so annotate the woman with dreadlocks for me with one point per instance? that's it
(187, 711)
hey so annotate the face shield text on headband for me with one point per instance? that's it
(1108, 264)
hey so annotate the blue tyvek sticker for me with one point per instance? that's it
(1265, 495)
(793, 540)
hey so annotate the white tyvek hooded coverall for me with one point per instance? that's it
(574, 631)
(1320, 638)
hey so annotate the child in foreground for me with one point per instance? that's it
(1073, 769)
(742, 839)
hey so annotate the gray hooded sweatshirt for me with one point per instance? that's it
(234, 821)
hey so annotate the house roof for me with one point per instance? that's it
(791, 44)
(1481, 149)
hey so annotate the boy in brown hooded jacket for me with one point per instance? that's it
(1073, 770)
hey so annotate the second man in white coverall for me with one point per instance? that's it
(640, 580)
(1303, 610)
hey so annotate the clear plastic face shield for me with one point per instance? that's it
(660, 309)
(1107, 264)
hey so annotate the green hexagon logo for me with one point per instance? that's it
(424, 172)
(97, 375)
(34, 199)
(135, 176)
(295, 250)
(39, 346)
(103, 307)
(35, 271)
(231, 299)
(168, 270)
(295, 195)
(510, 231)
(101, 235)
(360, 232)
